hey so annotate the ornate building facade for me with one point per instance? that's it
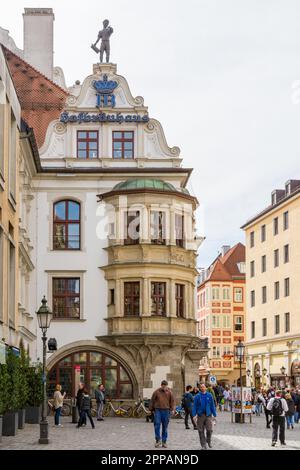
(113, 235)
(222, 313)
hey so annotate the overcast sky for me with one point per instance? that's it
(223, 78)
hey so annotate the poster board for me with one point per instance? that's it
(236, 400)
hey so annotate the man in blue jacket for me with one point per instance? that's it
(203, 412)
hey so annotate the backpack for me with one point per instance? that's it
(185, 402)
(277, 408)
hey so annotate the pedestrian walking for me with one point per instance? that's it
(78, 401)
(162, 404)
(210, 390)
(85, 409)
(219, 397)
(100, 400)
(203, 412)
(227, 398)
(268, 414)
(187, 404)
(278, 407)
(58, 400)
(290, 414)
(259, 403)
(297, 406)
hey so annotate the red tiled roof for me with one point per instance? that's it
(41, 99)
(237, 254)
(225, 268)
(219, 272)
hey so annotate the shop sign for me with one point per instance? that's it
(86, 117)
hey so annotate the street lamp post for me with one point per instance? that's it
(44, 316)
(239, 351)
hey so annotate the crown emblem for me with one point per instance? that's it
(105, 87)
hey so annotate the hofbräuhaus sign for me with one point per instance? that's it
(102, 117)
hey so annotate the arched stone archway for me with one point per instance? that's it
(121, 366)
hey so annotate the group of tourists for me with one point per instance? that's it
(200, 404)
(282, 407)
(83, 404)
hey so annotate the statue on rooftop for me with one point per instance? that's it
(104, 34)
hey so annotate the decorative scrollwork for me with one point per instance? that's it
(150, 126)
(60, 128)
(71, 100)
(139, 100)
(175, 151)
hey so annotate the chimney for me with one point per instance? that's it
(38, 39)
(224, 249)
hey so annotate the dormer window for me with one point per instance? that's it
(87, 144)
(288, 188)
(242, 267)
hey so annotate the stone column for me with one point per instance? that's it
(249, 366)
(172, 227)
(267, 366)
(172, 300)
(286, 364)
(145, 298)
(144, 225)
(118, 299)
(140, 141)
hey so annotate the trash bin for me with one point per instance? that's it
(237, 418)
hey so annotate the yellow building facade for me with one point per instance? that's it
(17, 165)
(9, 234)
(273, 303)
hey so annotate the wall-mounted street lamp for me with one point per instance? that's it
(44, 316)
(282, 370)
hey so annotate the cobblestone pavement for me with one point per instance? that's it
(132, 434)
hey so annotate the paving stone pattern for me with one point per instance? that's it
(129, 433)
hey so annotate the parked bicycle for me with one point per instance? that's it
(140, 410)
(65, 411)
(122, 411)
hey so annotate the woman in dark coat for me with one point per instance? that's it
(85, 409)
(291, 412)
(78, 401)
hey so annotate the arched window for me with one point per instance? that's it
(92, 368)
(66, 225)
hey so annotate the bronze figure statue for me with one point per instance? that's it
(104, 34)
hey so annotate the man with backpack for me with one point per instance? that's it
(187, 404)
(278, 407)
